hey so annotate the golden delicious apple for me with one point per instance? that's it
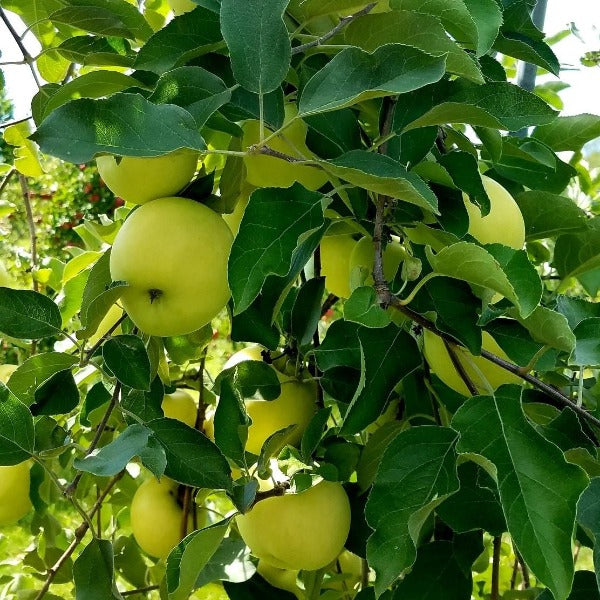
(363, 257)
(181, 6)
(181, 406)
(294, 406)
(481, 371)
(14, 493)
(114, 313)
(298, 531)
(282, 579)
(503, 224)
(140, 179)
(269, 171)
(336, 248)
(173, 253)
(156, 517)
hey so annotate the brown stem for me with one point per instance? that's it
(30, 225)
(524, 571)
(143, 590)
(495, 593)
(95, 347)
(329, 302)
(26, 56)
(7, 179)
(460, 369)
(278, 490)
(14, 122)
(326, 36)
(201, 414)
(364, 573)
(185, 513)
(70, 489)
(79, 535)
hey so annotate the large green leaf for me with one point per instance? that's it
(97, 51)
(28, 315)
(94, 572)
(421, 31)
(340, 347)
(259, 250)
(569, 133)
(588, 515)
(124, 124)
(538, 488)
(354, 75)
(577, 253)
(587, 347)
(94, 19)
(258, 42)
(126, 356)
(16, 429)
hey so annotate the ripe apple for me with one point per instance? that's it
(282, 579)
(269, 171)
(307, 530)
(173, 253)
(295, 405)
(210, 591)
(363, 258)
(181, 6)
(477, 368)
(156, 517)
(140, 179)
(14, 493)
(336, 248)
(114, 313)
(181, 406)
(503, 224)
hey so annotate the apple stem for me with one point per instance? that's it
(154, 294)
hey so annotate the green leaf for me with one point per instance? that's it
(96, 51)
(190, 35)
(58, 395)
(547, 327)
(259, 251)
(415, 29)
(93, 19)
(569, 133)
(146, 405)
(497, 105)
(497, 267)
(576, 310)
(28, 315)
(382, 175)
(127, 358)
(93, 572)
(547, 215)
(190, 556)
(314, 432)
(306, 311)
(258, 42)
(192, 459)
(587, 347)
(16, 429)
(387, 356)
(95, 84)
(96, 396)
(354, 75)
(588, 515)
(416, 474)
(340, 347)
(363, 307)
(231, 422)
(252, 379)
(35, 371)
(578, 253)
(81, 129)
(538, 488)
(230, 562)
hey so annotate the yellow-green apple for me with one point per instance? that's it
(294, 406)
(306, 531)
(140, 179)
(270, 171)
(210, 591)
(480, 371)
(181, 406)
(234, 219)
(14, 493)
(114, 313)
(172, 253)
(362, 259)
(181, 6)
(336, 248)
(282, 579)
(503, 224)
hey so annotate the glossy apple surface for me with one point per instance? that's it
(295, 405)
(336, 248)
(173, 253)
(180, 7)
(140, 179)
(503, 224)
(476, 367)
(181, 406)
(363, 257)
(14, 493)
(299, 531)
(270, 171)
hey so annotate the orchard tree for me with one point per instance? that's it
(351, 203)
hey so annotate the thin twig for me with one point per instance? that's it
(524, 570)
(31, 227)
(149, 588)
(26, 56)
(14, 121)
(495, 593)
(95, 347)
(326, 36)
(7, 179)
(79, 535)
(70, 489)
(460, 369)
(329, 302)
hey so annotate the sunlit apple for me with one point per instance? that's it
(480, 371)
(14, 493)
(299, 531)
(172, 252)
(180, 7)
(503, 224)
(362, 259)
(181, 406)
(114, 313)
(336, 248)
(140, 179)
(270, 171)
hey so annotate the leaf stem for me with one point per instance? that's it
(31, 227)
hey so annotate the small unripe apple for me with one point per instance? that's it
(478, 369)
(181, 406)
(14, 493)
(298, 531)
(503, 224)
(172, 252)
(180, 7)
(140, 179)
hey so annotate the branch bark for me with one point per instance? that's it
(26, 55)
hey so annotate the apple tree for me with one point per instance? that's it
(339, 339)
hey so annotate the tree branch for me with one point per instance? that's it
(26, 56)
(460, 369)
(329, 302)
(7, 179)
(495, 593)
(31, 227)
(326, 36)
(14, 121)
